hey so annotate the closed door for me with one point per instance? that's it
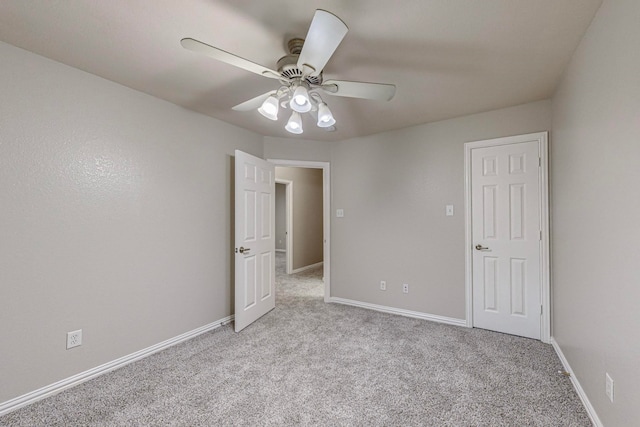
(506, 236)
(254, 239)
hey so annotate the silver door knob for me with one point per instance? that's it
(479, 247)
(244, 250)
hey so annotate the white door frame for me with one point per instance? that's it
(543, 151)
(289, 221)
(326, 214)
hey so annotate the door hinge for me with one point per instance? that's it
(540, 235)
(539, 162)
(541, 310)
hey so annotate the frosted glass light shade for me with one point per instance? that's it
(294, 125)
(325, 118)
(300, 100)
(269, 108)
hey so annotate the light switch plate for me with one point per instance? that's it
(449, 210)
(339, 213)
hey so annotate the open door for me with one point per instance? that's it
(255, 243)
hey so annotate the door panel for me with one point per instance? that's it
(255, 239)
(505, 207)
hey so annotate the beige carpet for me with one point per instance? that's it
(311, 363)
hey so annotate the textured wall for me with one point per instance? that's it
(115, 218)
(393, 188)
(595, 183)
(297, 149)
(307, 214)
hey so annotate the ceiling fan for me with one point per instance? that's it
(300, 75)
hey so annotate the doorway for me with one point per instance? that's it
(284, 222)
(507, 235)
(324, 209)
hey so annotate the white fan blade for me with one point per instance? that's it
(253, 103)
(376, 91)
(325, 34)
(231, 59)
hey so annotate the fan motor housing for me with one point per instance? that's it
(288, 65)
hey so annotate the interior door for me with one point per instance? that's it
(506, 235)
(255, 241)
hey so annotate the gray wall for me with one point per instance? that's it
(281, 217)
(296, 149)
(393, 188)
(115, 218)
(307, 214)
(595, 176)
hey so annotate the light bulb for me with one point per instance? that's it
(300, 100)
(325, 118)
(269, 108)
(294, 125)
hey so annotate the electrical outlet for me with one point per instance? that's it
(608, 388)
(405, 288)
(383, 285)
(74, 339)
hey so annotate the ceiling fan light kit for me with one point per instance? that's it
(325, 118)
(300, 75)
(294, 125)
(269, 108)
(300, 100)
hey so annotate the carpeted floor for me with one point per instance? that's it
(311, 363)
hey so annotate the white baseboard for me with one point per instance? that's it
(401, 312)
(576, 384)
(308, 267)
(57, 387)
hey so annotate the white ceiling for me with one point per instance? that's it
(448, 58)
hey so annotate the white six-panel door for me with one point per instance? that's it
(254, 238)
(506, 238)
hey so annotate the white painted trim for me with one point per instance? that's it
(281, 250)
(545, 254)
(545, 287)
(400, 311)
(468, 240)
(576, 384)
(57, 387)
(289, 221)
(326, 214)
(308, 267)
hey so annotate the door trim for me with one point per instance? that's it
(543, 152)
(326, 214)
(288, 185)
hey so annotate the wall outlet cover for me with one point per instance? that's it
(74, 339)
(609, 386)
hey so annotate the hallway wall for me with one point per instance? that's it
(307, 214)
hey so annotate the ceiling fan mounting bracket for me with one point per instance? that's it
(295, 46)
